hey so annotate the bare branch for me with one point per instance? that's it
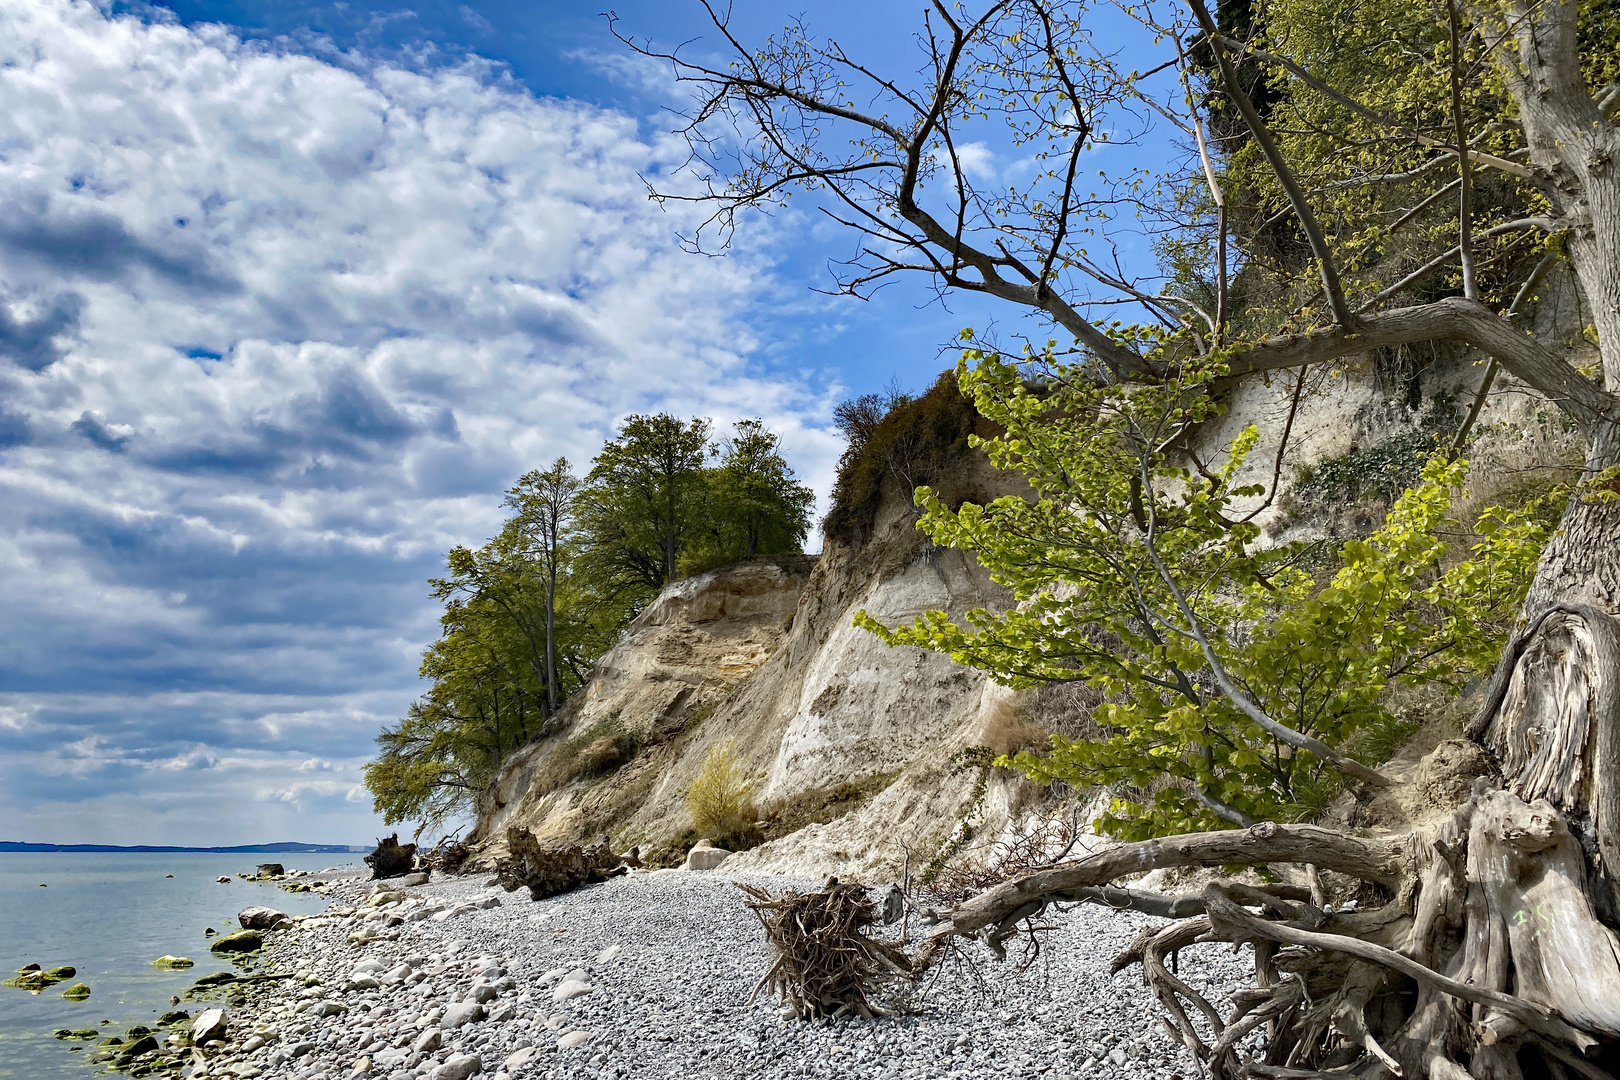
(1279, 167)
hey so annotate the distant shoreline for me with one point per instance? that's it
(285, 848)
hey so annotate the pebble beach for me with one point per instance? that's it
(650, 975)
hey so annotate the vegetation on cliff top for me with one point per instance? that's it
(528, 613)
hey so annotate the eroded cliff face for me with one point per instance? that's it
(857, 739)
(764, 656)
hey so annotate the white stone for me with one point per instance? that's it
(705, 856)
(459, 1067)
(570, 989)
(483, 993)
(370, 966)
(516, 1061)
(609, 954)
(210, 1024)
(573, 1039)
(462, 1012)
(551, 976)
(502, 1012)
(427, 1042)
(260, 918)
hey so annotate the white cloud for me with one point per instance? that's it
(273, 334)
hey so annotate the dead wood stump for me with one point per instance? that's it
(390, 858)
(554, 867)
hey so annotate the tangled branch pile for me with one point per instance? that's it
(824, 962)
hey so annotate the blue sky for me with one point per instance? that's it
(288, 293)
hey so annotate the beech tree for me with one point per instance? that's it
(544, 505)
(756, 497)
(642, 502)
(1380, 176)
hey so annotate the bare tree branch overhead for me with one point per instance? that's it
(1285, 208)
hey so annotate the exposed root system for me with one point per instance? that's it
(824, 963)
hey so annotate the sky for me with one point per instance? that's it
(289, 293)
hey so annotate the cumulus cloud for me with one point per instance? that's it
(275, 330)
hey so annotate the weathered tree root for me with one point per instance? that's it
(551, 868)
(390, 858)
(823, 961)
(1495, 960)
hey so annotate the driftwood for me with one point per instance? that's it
(823, 961)
(390, 858)
(1494, 955)
(447, 856)
(555, 867)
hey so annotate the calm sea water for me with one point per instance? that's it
(110, 915)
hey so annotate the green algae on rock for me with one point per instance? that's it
(76, 992)
(240, 942)
(32, 981)
(173, 963)
(76, 1033)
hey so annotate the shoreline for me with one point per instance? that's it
(649, 975)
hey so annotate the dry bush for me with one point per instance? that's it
(720, 799)
(823, 961)
(1049, 841)
(602, 749)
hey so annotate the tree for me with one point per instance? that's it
(642, 503)
(520, 630)
(756, 495)
(1493, 942)
(487, 698)
(1241, 686)
(544, 505)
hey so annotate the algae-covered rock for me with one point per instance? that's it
(216, 979)
(76, 992)
(32, 981)
(63, 973)
(176, 1016)
(76, 1033)
(173, 963)
(146, 1044)
(136, 1031)
(243, 941)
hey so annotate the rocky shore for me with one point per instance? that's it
(649, 975)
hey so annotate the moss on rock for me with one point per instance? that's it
(243, 941)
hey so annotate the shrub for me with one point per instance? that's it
(909, 440)
(720, 800)
(602, 749)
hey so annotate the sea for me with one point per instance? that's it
(110, 914)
